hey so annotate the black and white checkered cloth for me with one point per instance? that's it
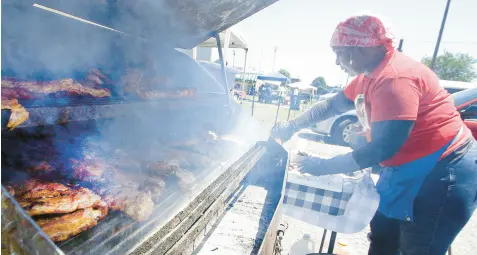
(340, 203)
(348, 209)
(315, 199)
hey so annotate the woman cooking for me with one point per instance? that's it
(428, 183)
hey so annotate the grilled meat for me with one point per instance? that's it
(18, 113)
(90, 170)
(163, 168)
(62, 227)
(156, 87)
(154, 184)
(128, 192)
(10, 189)
(36, 189)
(98, 77)
(41, 168)
(136, 204)
(36, 89)
(66, 203)
(186, 179)
(194, 160)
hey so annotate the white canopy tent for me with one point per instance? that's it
(236, 40)
(303, 87)
(230, 38)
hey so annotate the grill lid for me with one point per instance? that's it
(179, 23)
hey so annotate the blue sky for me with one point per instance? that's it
(301, 30)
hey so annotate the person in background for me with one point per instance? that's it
(294, 102)
(428, 179)
(268, 95)
(281, 93)
(261, 93)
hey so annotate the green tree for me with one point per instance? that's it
(320, 84)
(285, 73)
(453, 67)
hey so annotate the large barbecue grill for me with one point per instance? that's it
(207, 136)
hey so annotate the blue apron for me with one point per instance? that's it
(398, 186)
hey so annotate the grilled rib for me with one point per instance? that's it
(36, 89)
(129, 193)
(136, 204)
(33, 189)
(163, 167)
(62, 227)
(74, 200)
(185, 178)
(45, 190)
(194, 160)
(152, 88)
(90, 170)
(98, 77)
(18, 113)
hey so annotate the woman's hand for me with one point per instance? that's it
(318, 166)
(305, 163)
(283, 130)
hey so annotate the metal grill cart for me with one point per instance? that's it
(47, 40)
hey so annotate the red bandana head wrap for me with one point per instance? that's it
(362, 31)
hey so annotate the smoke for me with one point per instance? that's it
(39, 45)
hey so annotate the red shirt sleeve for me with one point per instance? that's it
(350, 89)
(395, 99)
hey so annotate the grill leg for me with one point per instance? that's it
(322, 241)
(331, 246)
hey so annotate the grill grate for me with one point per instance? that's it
(57, 111)
(118, 234)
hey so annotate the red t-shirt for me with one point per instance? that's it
(401, 88)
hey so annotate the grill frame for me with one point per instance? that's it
(46, 114)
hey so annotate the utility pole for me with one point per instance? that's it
(274, 57)
(233, 61)
(260, 64)
(441, 31)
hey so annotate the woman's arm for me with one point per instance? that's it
(387, 137)
(323, 110)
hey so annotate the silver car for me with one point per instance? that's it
(339, 127)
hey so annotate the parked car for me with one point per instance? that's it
(341, 127)
(466, 102)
